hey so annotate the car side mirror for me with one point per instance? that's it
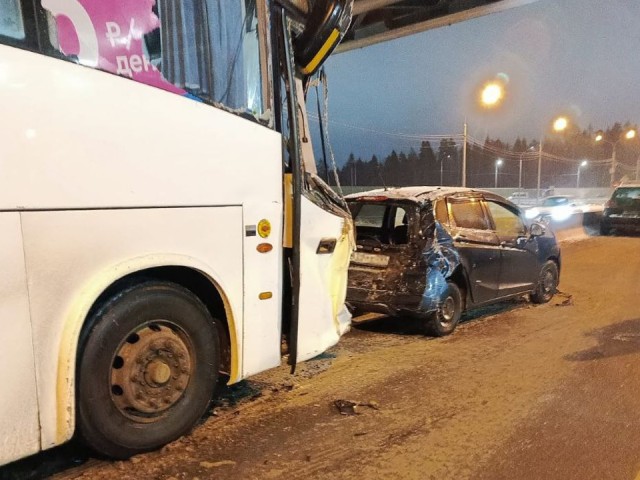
(326, 24)
(537, 229)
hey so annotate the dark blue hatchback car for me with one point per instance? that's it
(435, 252)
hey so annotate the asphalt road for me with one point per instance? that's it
(518, 391)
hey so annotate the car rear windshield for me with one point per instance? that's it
(627, 195)
(381, 223)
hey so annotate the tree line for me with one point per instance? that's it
(441, 164)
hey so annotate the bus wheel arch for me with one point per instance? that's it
(202, 286)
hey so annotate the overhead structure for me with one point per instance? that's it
(376, 21)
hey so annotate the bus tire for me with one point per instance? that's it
(147, 369)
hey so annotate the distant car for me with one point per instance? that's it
(556, 207)
(434, 252)
(521, 198)
(622, 211)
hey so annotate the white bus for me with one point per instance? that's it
(160, 220)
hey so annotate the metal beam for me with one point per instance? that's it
(364, 6)
(438, 22)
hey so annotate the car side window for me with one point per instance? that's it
(441, 212)
(468, 213)
(400, 228)
(370, 215)
(507, 222)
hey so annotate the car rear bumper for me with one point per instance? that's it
(622, 222)
(383, 301)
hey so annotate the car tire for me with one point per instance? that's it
(547, 283)
(445, 319)
(147, 369)
(604, 229)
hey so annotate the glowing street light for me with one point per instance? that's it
(582, 164)
(630, 134)
(498, 163)
(492, 94)
(560, 124)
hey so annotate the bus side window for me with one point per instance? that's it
(11, 20)
(207, 50)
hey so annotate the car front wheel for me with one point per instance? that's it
(445, 319)
(547, 283)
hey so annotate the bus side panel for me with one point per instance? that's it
(71, 256)
(19, 432)
(73, 137)
(263, 275)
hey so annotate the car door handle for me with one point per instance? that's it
(326, 245)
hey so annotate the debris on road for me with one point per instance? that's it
(217, 464)
(568, 299)
(349, 407)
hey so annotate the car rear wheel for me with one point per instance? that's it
(445, 319)
(547, 283)
(604, 229)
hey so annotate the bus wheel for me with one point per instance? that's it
(147, 369)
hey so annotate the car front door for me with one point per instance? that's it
(519, 265)
(478, 246)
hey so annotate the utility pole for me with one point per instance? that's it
(613, 164)
(464, 155)
(539, 169)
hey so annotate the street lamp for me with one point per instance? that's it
(560, 124)
(628, 135)
(498, 163)
(582, 164)
(530, 149)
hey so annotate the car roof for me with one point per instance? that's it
(422, 194)
(630, 184)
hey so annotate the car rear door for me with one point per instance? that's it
(518, 261)
(477, 245)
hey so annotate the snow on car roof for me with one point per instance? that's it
(414, 193)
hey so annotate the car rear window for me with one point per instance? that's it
(626, 195)
(468, 213)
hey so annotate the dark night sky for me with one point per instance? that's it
(574, 57)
